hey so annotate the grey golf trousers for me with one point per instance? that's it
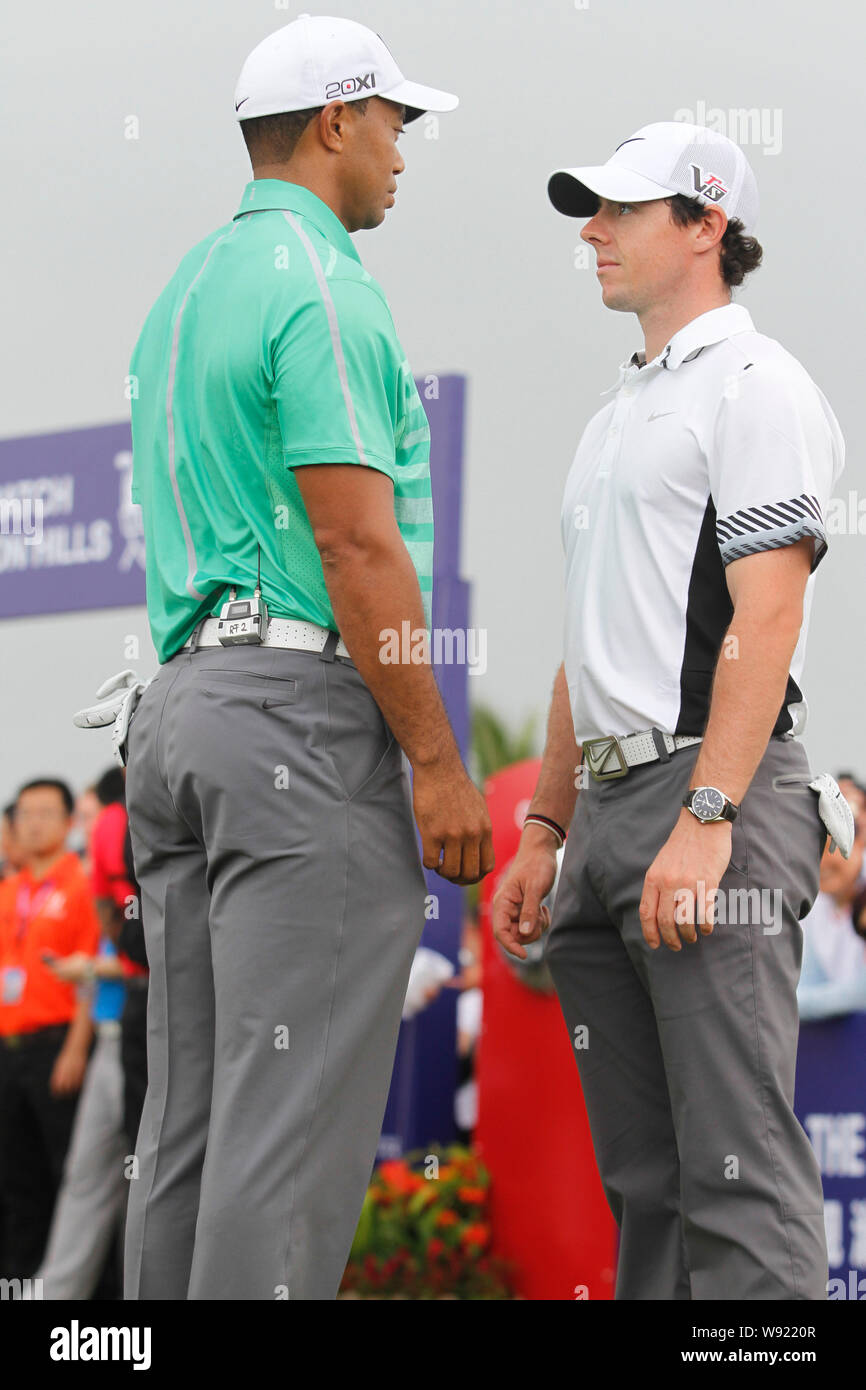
(283, 900)
(686, 1059)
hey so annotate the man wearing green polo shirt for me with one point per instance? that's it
(281, 460)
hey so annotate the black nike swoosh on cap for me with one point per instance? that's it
(239, 104)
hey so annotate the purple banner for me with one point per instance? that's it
(70, 537)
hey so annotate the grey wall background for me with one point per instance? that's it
(479, 269)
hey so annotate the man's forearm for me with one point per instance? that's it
(373, 590)
(748, 690)
(556, 790)
(80, 1030)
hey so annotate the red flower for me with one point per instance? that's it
(446, 1218)
(435, 1247)
(475, 1237)
(473, 1196)
(397, 1175)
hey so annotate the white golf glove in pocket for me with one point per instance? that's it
(834, 812)
(116, 699)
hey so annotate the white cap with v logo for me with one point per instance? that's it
(658, 161)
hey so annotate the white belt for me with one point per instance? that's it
(282, 632)
(612, 756)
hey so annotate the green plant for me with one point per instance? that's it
(424, 1232)
(493, 746)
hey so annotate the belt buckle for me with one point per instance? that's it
(595, 761)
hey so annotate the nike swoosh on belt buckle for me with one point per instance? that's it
(596, 760)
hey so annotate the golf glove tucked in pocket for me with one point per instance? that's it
(834, 812)
(116, 699)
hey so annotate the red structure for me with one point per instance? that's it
(548, 1209)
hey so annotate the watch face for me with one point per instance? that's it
(707, 803)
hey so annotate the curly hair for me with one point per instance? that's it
(738, 252)
(273, 139)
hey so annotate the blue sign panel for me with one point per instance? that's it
(830, 1102)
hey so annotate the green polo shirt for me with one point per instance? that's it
(270, 348)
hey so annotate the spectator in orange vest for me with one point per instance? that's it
(10, 855)
(83, 1241)
(46, 910)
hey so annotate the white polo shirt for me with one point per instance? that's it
(720, 447)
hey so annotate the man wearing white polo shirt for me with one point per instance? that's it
(692, 525)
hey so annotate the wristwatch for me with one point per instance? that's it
(709, 804)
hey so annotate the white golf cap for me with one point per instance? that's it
(660, 160)
(317, 59)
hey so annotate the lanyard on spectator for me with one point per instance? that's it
(29, 905)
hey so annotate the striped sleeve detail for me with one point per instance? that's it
(414, 427)
(419, 436)
(771, 526)
(421, 555)
(412, 472)
(414, 511)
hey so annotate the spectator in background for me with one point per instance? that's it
(855, 795)
(10, 854)
(110, 789)
(45, 1031)
(833, 975)
(116, 880)
(858, 908)
(469, 1011)
(92, 1197)
(133, 1022)
(10, 863)
(87, 808)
